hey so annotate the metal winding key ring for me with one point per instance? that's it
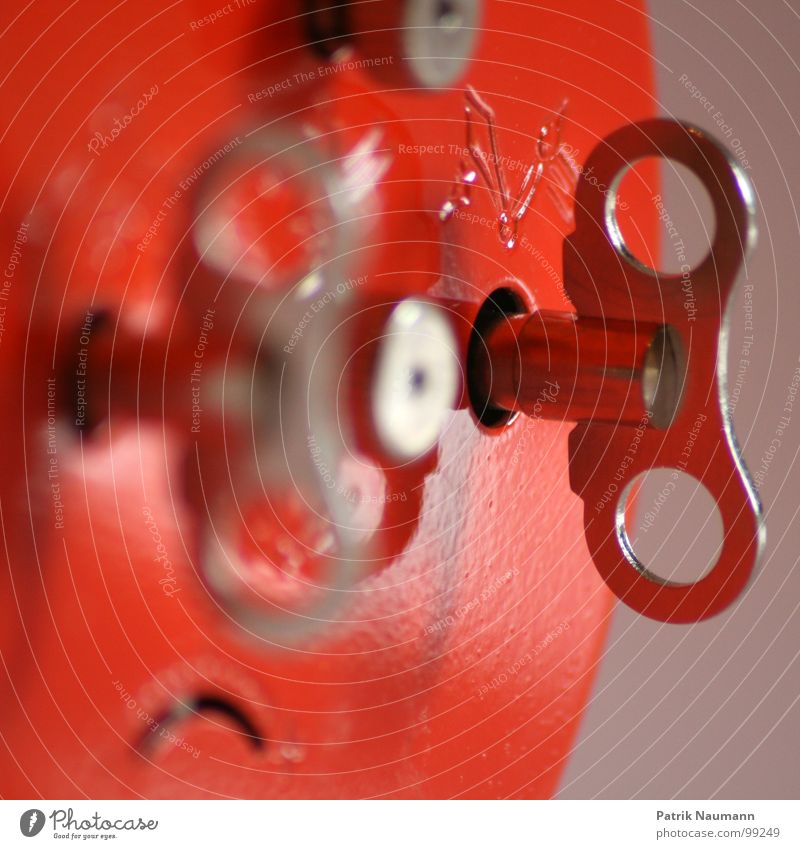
(605, 281)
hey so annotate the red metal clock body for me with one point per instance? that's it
(463, 665)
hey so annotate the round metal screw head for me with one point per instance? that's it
(415, 380)
(439, 38)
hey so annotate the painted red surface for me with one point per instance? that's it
(464, 667)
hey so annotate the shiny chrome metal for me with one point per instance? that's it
(604, 280)
(415, 380)
(425, 43)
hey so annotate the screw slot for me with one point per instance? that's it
(217, 710)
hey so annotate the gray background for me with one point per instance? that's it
(711, 710)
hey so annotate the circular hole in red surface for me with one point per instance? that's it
(501, 303)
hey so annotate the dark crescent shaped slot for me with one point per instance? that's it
(204, 705)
